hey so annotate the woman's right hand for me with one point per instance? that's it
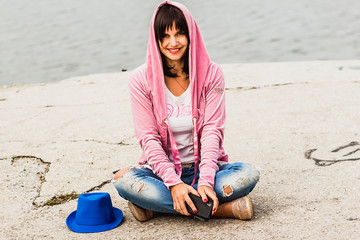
(180, 195)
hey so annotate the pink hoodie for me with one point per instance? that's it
(148, 102)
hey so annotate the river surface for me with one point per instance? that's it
(48, 40)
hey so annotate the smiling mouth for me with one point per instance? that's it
(174, 50)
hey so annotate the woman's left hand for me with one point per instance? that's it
(205, 192)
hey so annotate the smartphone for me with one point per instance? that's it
(204, 210)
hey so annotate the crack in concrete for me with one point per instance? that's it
(98, 187)
(42, 179)
(356, 150)
(53, 106)
(325, 163)
(60, 199)
(345, 146)
(71, 105)
(56, 200)
(264, 86)
(40, 175)
(121, 143)
(328, 162)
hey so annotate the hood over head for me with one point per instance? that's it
(198, 62)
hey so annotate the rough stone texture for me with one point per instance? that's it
(299, 122)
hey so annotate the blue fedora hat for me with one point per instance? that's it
(94, 213)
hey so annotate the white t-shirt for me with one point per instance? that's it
(180, 120)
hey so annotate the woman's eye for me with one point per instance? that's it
(165, 37)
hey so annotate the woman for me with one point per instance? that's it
(178, 108)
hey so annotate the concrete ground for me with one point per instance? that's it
(299, 122)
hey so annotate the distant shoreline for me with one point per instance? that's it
(47, 42)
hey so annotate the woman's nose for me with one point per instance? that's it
(173, 41)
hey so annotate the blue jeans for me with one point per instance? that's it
(145, 189)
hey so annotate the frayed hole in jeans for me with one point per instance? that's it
(227, 190)
(138, 186)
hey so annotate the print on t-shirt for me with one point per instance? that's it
(178, 110)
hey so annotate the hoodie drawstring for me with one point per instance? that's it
(195, 149)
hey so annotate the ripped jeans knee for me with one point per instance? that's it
(127, 178)
(142, 187)
(235, 180)
(227, 190)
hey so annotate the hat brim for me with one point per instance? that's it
(70, 222)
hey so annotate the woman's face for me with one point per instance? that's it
(173, 45)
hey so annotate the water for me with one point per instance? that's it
(48, 40)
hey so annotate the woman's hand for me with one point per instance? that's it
(180, 195)
(205, 192)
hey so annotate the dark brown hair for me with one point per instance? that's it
(165, 17)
